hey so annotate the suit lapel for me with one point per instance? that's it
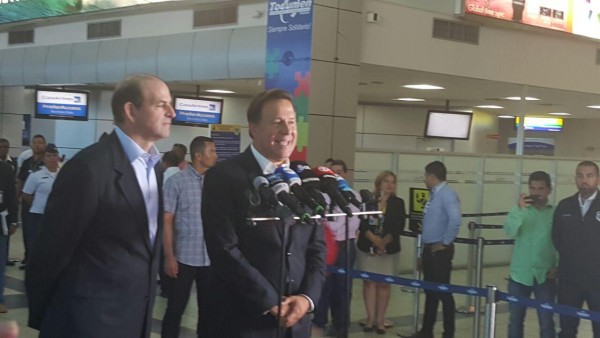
(128, 186)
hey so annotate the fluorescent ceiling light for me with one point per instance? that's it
(560, 114)
(422, 86)
(518, 98)
(594, 107)
(506, 117)
(219, 91)
(409, 99)
(490, 106)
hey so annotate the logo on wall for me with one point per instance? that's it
(290, 9)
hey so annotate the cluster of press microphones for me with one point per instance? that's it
(298, 191)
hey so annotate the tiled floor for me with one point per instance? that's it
(400, 311)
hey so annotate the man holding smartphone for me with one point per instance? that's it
(534, 259)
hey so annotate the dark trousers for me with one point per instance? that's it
(25, 225)
(34, 225)
(178, 292)
(573, 294)
(437, 267)
(333, 295)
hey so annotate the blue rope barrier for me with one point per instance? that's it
(470, 291)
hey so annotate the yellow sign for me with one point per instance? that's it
(419, 198)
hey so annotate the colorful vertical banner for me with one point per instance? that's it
(289, 47)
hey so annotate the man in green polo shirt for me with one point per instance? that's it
(534, 259)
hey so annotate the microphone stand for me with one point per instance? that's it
(347, 280)
(287, 218)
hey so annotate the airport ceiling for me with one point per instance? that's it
(379, 85)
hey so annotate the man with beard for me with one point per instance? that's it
(576, 233)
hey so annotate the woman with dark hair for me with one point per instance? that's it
(378, 241)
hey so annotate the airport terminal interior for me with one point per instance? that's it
(382, 84)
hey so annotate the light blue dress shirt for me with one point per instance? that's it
(143, 165)
(442, 215)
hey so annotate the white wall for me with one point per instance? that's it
(139, 25)
(403, 39)
(399, 128)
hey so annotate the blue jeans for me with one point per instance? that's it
(3, 253)
(544, 292)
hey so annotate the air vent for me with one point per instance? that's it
(455, 31)
(20, 37)
(107, 29)
(215, 17)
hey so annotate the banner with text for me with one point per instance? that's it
(580, 17)
(289, 47)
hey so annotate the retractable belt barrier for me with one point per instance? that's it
(491, 294)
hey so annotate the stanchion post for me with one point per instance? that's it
(470, 279)
(490, 312)
(478, 275)
(417, 276)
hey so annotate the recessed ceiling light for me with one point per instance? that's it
(560, 114)
(490, 106)
(422, 86)
(518, 98)
(594, 107)
(506, 117)
(219, 91)
(409, 99)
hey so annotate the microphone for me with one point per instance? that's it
(282, 191)
(310, 182)
(329, 185)
(293, 180)
(266, 195)
(368, 202)
(347, 191)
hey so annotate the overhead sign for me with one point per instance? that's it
(197, 110)
(21, 10)
(418, 200)
(580, 17)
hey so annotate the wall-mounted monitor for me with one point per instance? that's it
(541, 123)
(61, 104)
(448, 124)
(197, 111)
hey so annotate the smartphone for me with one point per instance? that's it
(535, 199)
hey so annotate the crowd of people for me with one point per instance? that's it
(99, 229)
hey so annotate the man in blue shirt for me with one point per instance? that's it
(440, 226)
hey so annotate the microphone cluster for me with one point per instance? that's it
(299, 190)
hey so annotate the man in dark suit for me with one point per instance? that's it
(5, 157)
(93, 273)
(246, 259)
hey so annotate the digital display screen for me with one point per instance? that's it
(541, 123)
(580, 17)
(197, 111)
(447, 124)
(61, 104)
